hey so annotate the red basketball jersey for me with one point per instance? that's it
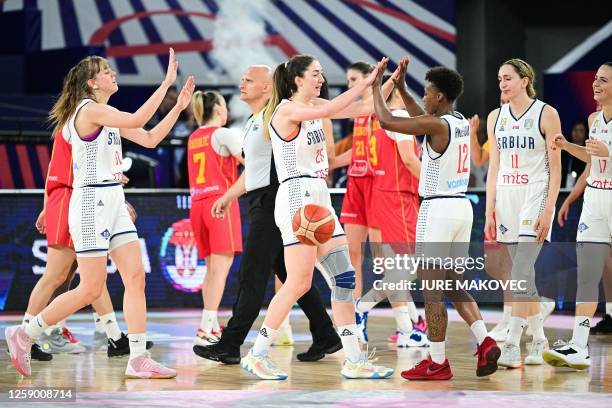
(210, 174)
(391, 173)
(60, 166)
(362, 153)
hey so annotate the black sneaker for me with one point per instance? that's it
(604, 326)
(37, 354)
(218, 352)
(317, 350)
(121, 347)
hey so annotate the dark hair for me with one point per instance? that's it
(283, 84)
(202, 104)
(324, 89)
(446, 80)
(361, 66)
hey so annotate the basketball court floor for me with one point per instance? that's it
(201, 383)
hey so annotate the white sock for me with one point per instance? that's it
(507, 313)
(26, 319)
(216, 325)
(36, 326)
(412, 312)
(208, 319)
(480, 330)
(537, 326)
(609, 308)
(402, 319)
(437, 351)
(138, 344)
(99, 326)
(263, 340)
(517, 324)
(110, 326)
(364, 307)
(52, 327)
(350, 344)
(285, 322)
(61, 324)
(582, 328)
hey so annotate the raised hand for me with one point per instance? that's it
(475, 123)
(375, 77)
(184, 97)
(172, 68)
(399, 80)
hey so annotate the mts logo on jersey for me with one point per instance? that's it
(315, 136)
(113, 138)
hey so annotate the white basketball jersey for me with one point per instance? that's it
(95, 160)
(601, 167)
(304, 154)
(523, 158)
(447, 173)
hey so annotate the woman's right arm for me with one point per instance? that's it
(104, 115)
(491, 175)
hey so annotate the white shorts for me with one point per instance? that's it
(294, 194)
(595, 223)
(516, 210)
(446, 224)
(99, 220)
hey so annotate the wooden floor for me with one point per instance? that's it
(100, 379)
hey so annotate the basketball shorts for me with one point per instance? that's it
(444, 227)
(295, 193)
(215, 235)
(516, 210)
(595, 223)
(398, 218)
(56, 217)
(99, 220)
(357, 206)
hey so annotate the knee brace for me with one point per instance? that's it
(523, 265)
(339, 273)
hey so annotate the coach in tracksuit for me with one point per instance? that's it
(263, 249)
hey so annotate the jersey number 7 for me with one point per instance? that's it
(201, 159)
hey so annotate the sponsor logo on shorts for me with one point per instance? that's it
(582, 227)
(346, 332)
(502, 228)
(105, 234)
(527, 222)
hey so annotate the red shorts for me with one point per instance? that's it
(398, 218)
(216, 235)
(56, 217)
(357, 207)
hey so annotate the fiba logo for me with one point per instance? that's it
(178, 257)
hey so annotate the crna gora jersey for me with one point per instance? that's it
(601, 167)
(303, 153)
(96, 158)
(523, 158)
(447, 173)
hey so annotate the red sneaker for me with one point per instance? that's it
(393, 338)
(429, 370)
(420, 325)
(488, 353)
(69, 336)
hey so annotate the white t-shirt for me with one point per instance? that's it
(226, 142)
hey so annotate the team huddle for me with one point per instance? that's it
(287, 150)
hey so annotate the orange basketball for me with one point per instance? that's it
(313, 224)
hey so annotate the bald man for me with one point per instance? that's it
(263, 247)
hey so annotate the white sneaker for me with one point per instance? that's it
(205, 339)
(547, 306)
(499, 333)
(568, 355)
(365, 368)
(510, 356)
(415, 338)
(535, 353)
(284, 337)
(262, 367)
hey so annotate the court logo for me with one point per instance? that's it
(178, 256)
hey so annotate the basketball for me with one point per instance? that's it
(313, 224)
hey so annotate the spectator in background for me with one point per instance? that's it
(572, 168)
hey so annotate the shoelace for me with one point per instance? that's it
(149, 364)
(561, 343)
(269, 363)
(68, 334)
(422, 364)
